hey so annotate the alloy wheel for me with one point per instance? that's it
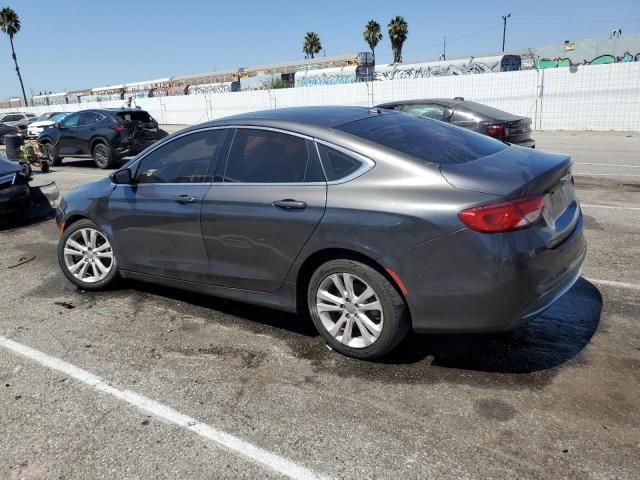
(101, 155)
(88, 255)
(350, 310)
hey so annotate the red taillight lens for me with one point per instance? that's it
(117, 127)
(503, 217)
(497, 131)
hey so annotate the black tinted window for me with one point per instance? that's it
(261, 156)
(336, 164)
(423, 138)
(187, 159)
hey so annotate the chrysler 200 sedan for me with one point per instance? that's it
(374, 221)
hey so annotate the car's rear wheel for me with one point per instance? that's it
(50, 154)
(103, 156)
(86, 256)
(356, 309)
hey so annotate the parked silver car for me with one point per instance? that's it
(374, 221)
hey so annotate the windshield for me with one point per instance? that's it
(423, 138)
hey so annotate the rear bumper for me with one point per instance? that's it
(130, 149)
(469, 282)
(13, 199)
(528, 143)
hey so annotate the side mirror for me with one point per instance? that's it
(57, 124)
(122, 177)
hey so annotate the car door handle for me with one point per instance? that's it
(185, 199)
(289, 204)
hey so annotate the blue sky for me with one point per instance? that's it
(67, 44)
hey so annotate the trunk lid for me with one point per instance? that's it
(518, 172)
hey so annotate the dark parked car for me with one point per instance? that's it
(6, 130)
(473, 116)
(373, 220)
(14, 189)
(106, 135)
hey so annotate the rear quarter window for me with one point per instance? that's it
(425, 139)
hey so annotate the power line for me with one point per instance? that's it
(578, 22)
(434, 45)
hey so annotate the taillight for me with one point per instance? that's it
(505, 216)
(117, 127)
(497, 131)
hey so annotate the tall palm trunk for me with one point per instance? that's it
(15, 60)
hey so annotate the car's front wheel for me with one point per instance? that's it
(50, 154)
(86, 256)
(356, 309)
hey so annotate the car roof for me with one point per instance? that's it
(305, 120)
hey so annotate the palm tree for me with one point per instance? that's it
(311, 45)
(372, 36)
(10, 24)
(398, 31)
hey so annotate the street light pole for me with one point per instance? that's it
(504, 28)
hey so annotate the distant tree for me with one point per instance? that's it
(312, 45)
(398, 31)
(372, 35)
(10, 24)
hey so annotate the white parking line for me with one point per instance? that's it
(613, 207)
(234, 444)
(606, 174)
(611, 283)
(606, 165)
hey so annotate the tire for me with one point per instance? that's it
(392, 314)
(1, 139)
(102, 155)
(44, 166)
(50, 154)
(82, 269)
(27, 171)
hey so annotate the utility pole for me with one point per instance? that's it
(444, 48)
(504, 28)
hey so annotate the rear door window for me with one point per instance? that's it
(263, 156)
(89, 118)
(423, 138)
(187, 159)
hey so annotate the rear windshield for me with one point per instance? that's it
(488, 111)
(423, 138)
(140, 116)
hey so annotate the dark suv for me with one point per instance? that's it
(106, 134)
(471, 115)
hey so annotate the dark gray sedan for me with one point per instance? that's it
(376, 222)
(472, 115)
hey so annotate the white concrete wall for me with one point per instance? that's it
(594, 97)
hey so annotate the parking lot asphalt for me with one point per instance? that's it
(150, 382)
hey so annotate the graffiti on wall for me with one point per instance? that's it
(209, 88)
(325, 76)
(606, 59)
